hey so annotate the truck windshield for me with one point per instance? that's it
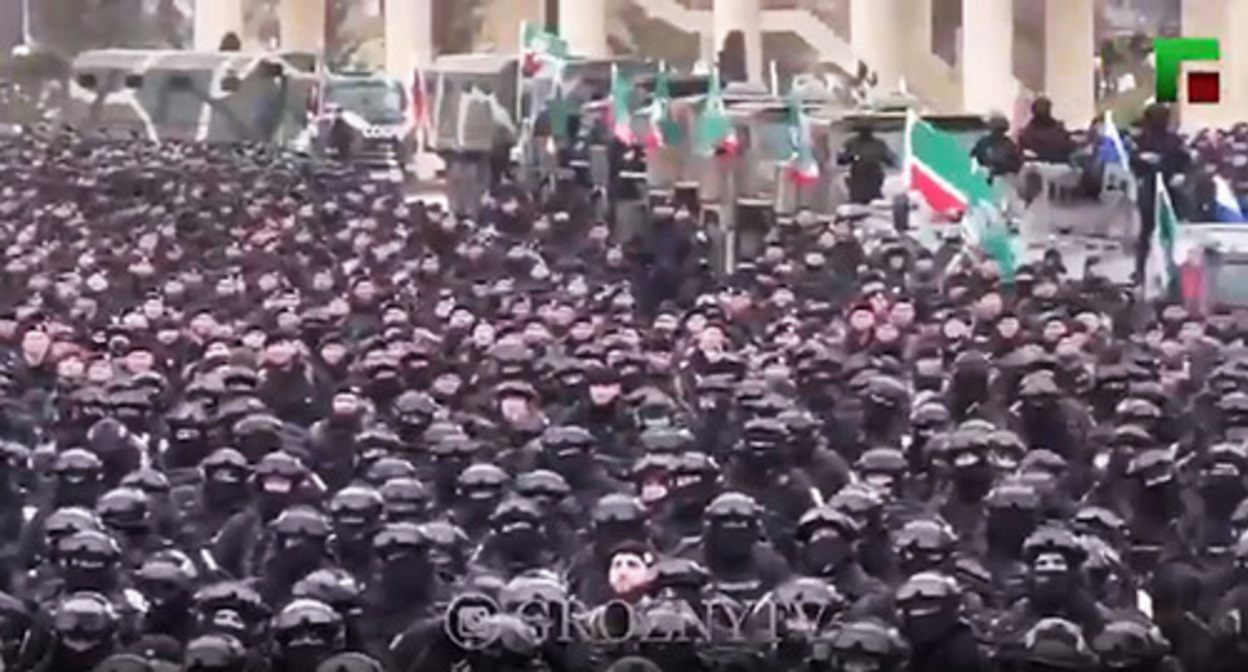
(378, 101)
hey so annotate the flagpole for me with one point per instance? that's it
(908, 150)
(524, 30)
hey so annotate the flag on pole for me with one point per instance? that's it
(985, 227)
(621, 117)
(1225, 204)
(714, 131)
(941, 170)
(1111, 151)
(803, 165)
(1160, 268)
(664, 130)
(543, 52)
(421, 118)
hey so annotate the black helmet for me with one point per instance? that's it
(215, 653)
(89, 548)
(826, 517)
(929, 589)
(733, 507)
(617, 509)
(803, 605)
(78, 466)
(302, 523)
(563, 442)
(86, 618)
(516, 510)
(455, 448)
(540, 600)
(448, 547)
(925, 543)
(279, 473)
(258, 434)
(350, 662)
(862, 502)
(482, 482)
(151, 481)
(225, 461)
(67, 521)
(882, 467)
(695, 469)
(543, 486)
(335, 587)
(400, 539)
(125, 509)
(387, 469)
(161, 580)
(763, 435)
(667, 440)
(867, 640)
(1127, 644)
(679, 574)
(231, 607)
(1052, 539)
(311, 624)
(406, 499)
(357, 506)
(1058, 643)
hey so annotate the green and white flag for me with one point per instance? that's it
(1161, 271)
(714, 131)
(621, 111)
(941, 170)
(543, 52)
(664, 130)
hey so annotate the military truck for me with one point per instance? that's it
(377, 108)
(1222, 249)
(183, 95)
(479, 111)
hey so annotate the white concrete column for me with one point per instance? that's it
(213, 20)
(988, 83)
(1204, 18)
(874, 29)
(583, 24)
(745, 16)
(919, 14)
(408, 37)
(1234, 69)
(1070, 59)
(302, 25)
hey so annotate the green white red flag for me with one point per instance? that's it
(803, 164)
(663, 129)
(941, 170)
(621, 115)
(714, 133)
(544, 52)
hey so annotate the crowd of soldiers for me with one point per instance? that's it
(260, 414)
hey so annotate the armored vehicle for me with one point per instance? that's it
(200, 96)
(377, 109)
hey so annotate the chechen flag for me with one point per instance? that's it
(803, 166)
(621, 116)
(663, 130)
(715, 134)
(940, 169)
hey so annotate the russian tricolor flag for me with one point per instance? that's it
(1226, 205)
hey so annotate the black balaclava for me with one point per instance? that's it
(824, 552)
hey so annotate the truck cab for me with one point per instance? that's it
(1222, 249)
(377, 109)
